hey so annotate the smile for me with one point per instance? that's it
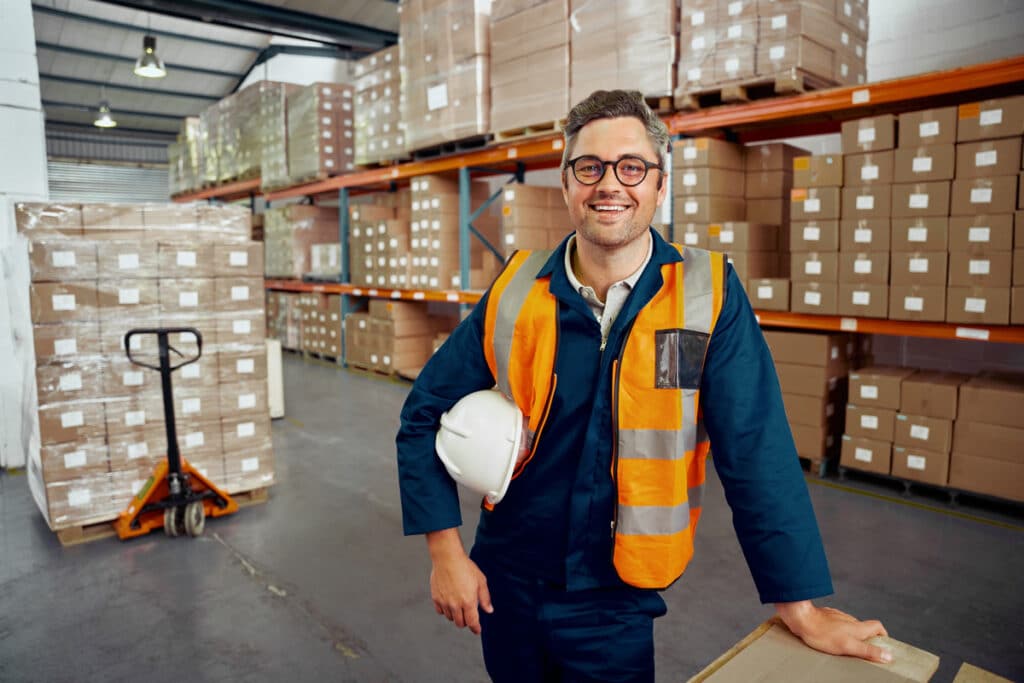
(608, 207)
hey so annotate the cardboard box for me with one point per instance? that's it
(239, 294)
(928, 127)
(865, 234)
(814, 442)
(64, 302)
(769, 294)
(133, 413)
(814, 266)
(819, 236)
(972, 196)
(811, 348)
(868, 169)
(873, 134)
(867, 201)
(245, 433)
(128, 299)
(137, 450)
(73, 421)
(143, 346)
(238, 260)
(121, 377)
(989, 119)
(44, 219)
(775, 156)
(822, 203)
(70, 380)
(706, 208)
(131, 260)
(241, 331)
(821, 382)
(178, 261)
(62, 260)
(917, 302)
(69, 461)
(742, 236)
(191, 296)
(708, 181)
(200, 439)
(927, 233)
(988, 158)
(810, 410)
(980, 268)
(820, 298)
(862, 300)
(930, 433)
(920, 199)
(768, 184)
(919, 464)
(918, 268)
(240, 366)
(769, 211)
(878, 386)
(819, 170)
(864, 267)
(978, 305)
(691, 234)
(866, 454)
(1017, 306)
(695, 152)
(754, 264)
(987, 476)
(202, 373)
(249, 469)
(993, 398)
(870, 422)
(1000, 442)
(244, 398)
(925, 164)
(932, 393)
(65, 341)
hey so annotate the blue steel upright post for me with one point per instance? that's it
(343, 229)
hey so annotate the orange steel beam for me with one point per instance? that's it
(1010, 334)
(237, 190)
(451, 296)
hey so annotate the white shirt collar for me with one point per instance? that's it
(588, 293)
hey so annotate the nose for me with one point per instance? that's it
(609, 181)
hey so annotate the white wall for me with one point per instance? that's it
(299, 69)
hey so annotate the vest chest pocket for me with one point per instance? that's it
(679, 358)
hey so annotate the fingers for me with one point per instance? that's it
(873, 653)
(485, 598)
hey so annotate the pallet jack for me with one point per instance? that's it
(176, 495)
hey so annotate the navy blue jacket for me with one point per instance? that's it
(555, 520)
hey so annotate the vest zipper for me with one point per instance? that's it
(616, 380)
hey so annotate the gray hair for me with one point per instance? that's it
(611, 104)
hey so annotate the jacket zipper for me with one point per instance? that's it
(616, 380)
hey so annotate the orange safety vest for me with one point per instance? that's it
(660, 443)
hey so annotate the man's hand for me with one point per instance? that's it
(832, 631)
(457, 586)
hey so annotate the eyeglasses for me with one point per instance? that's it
(629, 170)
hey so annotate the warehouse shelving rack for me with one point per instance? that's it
(783, 117)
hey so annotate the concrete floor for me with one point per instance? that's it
(320, 584)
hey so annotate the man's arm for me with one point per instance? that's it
(832, 631)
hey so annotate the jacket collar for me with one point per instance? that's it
(663, 253)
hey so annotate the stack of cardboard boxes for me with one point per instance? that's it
(379, 128)
(988, 437)
(875, 396)
(923, 433)
(532, 218)
(529, 37)
(815, 210)
(320, 329)
(284, 319)
(372, 228)
(99, 270)
(394, 336)
(185, 158)
(273, 107)
(446, 92)
(320, 132)
(290, 233)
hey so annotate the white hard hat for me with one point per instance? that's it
(479, 442)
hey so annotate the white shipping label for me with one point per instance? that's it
(690, 153)
(862, 235)
(195, 439)
(437, 97)
(245, 366)
(863, 454)
(812, 267)
(918, 265)
(992, 117)
(75, 459)
(187, 259)
(989, 158)
(865, 135)
(191, 371)
(132, 378)
(765, 292)
(138, 450)
(72, 381)
(240, 293)
(693, 75)
(812, 233)
(689, 179)
(188, 299)
(917, 234)
(250, 464)
(63, 259)
(981, 195)
(869, 392)
(979, 266)
(735, 8)
(974, 305)
(73, 418)
(919, 432)
(869, 422)
(509, 239)
(777, 53)
(65, 347)
(246, 429)
(862, 266)
(697, 19)
(928, 129)
(238, 258)
(127, 297)
(812, 298)
(241, 326)
(134, 418)
(128, 261)
(976, 234)
(812, 205)
(510, 195)
(916, 462)
(79, 497)
(779, 22)
(698, 43)
(63, 302)
(734, 31)
(246, 401)
(913, 303)
(691, 239)
(136, 343)
(922, 164)
(918, 201)
(865, 202)
(690, 207)
(862, 298)
(191, 405)
(869, 172)
(727, 237)
(732, 65)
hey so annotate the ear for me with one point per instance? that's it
(565, 186)
(662, 188)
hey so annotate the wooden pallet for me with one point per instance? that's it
(660, 105)
(320, 356)
(790, 82)
(532, 130)
(952, 496)
(370, 371)
(469, 144)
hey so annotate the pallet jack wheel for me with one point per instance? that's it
(173, 522)
(195, 518)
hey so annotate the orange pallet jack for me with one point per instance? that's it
(176, 495)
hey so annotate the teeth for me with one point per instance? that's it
(603, 207)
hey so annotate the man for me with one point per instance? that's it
(627, 355)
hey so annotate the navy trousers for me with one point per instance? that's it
(541, 633)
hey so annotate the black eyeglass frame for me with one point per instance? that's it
(648, 165)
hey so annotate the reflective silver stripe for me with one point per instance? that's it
(512, 300)
(698, 298)
(657, 444)
(696, 496)
(689, 426)
(652, 520)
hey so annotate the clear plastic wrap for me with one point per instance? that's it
(273, 107)
(290, 232)
(320, 131)
(39, 220)
(379, 128)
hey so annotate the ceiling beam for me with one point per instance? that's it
(119, 129)
(53, 12)
(67, 49)
(130, 88)
(272, 51)
(254, 16)
(116, 110)
(69, 136)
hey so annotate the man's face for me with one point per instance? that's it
(610, 214)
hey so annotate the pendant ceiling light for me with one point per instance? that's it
(148, 65)
(104, 118)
